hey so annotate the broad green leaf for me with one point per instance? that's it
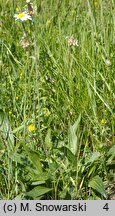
(38, 191)
(5, 130)
(48, 142)
(73, 136)
(111, 155)
(97, 184)
(70, 156)
(17, 158)
(112, 150)
(19, 196)
(35, 175)
(34, 157)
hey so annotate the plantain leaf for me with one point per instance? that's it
(5, 130)
(70, 156)
(38, 191)
(48, 142)
(111, 155)
(35, 175)
(73, 136)
(34, 157)
(19, 196)
(97, 184)
(17, 158)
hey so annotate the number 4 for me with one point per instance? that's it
(106, 207)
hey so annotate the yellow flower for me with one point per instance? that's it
(17, 97)
(103, 121)
(31, 127)
(96, 3)
(46, 111)
(21, 75)
(17, 9)
(48, 23)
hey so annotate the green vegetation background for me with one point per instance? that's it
(57, 102)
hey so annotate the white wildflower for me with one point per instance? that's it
(108, 62)
(22, 16)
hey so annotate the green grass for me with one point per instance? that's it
(57, 102)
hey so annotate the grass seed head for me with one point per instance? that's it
(72, 42)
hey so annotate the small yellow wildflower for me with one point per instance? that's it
(103, 121)
(17, 9)
(73, 12)
(48, 22)
(21, 75)
(31, 127)
(96, 3)
(17, 97)
(46, 111)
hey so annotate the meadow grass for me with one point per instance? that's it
(57, 101)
